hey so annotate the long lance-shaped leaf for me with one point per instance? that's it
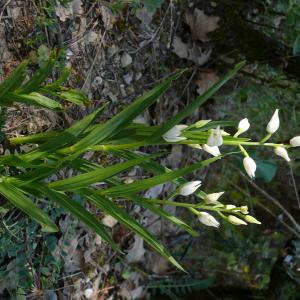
(62, 139)
(184, 113)
(122, 119)
(116, 212)
(35, 99)
(86, 179)
(142, 185)
(21, 201)
(77, 210)
(13, 81)
(85, 166)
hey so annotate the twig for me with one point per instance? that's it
(295, 185)
(3, 9)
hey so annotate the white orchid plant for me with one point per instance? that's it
(52, 153)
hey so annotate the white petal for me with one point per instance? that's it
(280, 151)
(273, 125)
(295, 141)
(189, 188)
(215, 138)
(250, 166)
(235, 221)
(212, 198)
(243, 125)
(211, 150)
(208, 220)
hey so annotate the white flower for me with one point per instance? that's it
(295, 141)
(244, 209)
(243, 126)
(208, 219)
(201, 123)
(273, 125)
(196, 146)
(250, 166)
(189, 187)
(173, 135)
(211, 150)
(280, 151)
(251, 219)
(212, 198)
(235, 220)
(215, 138)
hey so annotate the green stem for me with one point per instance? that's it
(265, 138)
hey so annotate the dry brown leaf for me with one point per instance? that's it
(73, 8)
(108, 18)
(191, 52)
(201, 24)
(205, 81)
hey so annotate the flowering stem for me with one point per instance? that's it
(265, 138)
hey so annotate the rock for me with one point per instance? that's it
(126, 60)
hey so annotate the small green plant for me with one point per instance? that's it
(120, 137)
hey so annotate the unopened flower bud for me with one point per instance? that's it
(244, 209)
(201, 123)
(280, 151)
(212, 198)
(211, 150)
(230, 206)
(196, 146)
(243, 126)
(273, 125)
(208, 220)
(251, 219)
(250, 166)
(295, 141)
(174, 134)
(235, 220)
(189, 188)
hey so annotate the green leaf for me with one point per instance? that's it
(122, 119)
(142, 185)
(116, 212)
(14, 80)
(80, 212)
(86, 179)
(266, 170)
(34, 99)
(64, 138)
(187, 111)
(38, 77)
(21, 201)
(75, 96)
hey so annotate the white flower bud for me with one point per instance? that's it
(201, 123)
(189, 188)
(295, 141)
(235, 220)
(215, 137)
(273, 125)
(244, 209)
(208, 220)
(243, 126)
(251, 219)
(212, 198)
(211, 150)
(230, 206)
(196, 146)
(280, 151)
(173, 135)
(250, 166)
